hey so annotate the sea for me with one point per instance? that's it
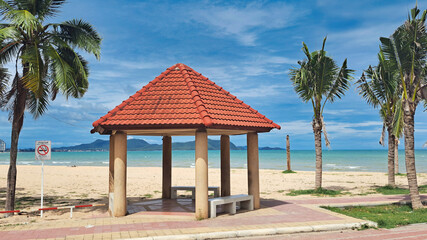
(302, 160)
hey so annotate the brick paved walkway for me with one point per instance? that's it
(411, 232)
(170, 217)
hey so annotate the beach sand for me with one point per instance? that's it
(84, 185)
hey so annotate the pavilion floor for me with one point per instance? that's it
(179, 206)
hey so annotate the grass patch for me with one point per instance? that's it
(315, 192)
(280, 191)
(363, 194)
(389, 190)
(289, 171)
(400, 174)
(148, 195)
(387, 216)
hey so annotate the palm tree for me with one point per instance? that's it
(46, 63)
(407, 51)
(382, 90)
(319, 80)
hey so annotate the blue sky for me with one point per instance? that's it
(247, 47)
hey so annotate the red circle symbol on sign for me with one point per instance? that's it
(43, 150)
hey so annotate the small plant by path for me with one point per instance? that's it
(387, 216)
(389, 190)
(315, 192)
(289, 171)
(148, 195)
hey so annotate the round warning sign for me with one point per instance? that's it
(43, 150)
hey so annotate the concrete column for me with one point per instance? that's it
(253, 168)
(167, 167)
(225, 165)
(202, 175)
(120, 159)
(111, 177)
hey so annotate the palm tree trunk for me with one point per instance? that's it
(409, 113)
(396, 156)
(317, 130)
(17, 122)
(391, 179)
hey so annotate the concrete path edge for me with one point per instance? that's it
(264, 232)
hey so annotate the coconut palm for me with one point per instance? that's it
(382, 91)
(319, 80)
(46, 63)
(406, 49)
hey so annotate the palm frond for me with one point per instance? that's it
(24, 19)
(80, 34)
(398, 123)
(37, 105)
(10, 33)
(5, 7)
(341, 83)
(4, 79)
(9, 51)
(366, 90)
(41, 8)
(70, 71)
(35, 77)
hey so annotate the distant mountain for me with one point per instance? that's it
(212, 145)
(271, 148)
(142, 145)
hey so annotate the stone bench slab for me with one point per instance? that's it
(229, 202)
(174, 190)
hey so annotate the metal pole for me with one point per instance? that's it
(288, 152)
(41, 204)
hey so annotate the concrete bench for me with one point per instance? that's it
(174, 189)
(229, 202)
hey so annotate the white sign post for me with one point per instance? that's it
(42, 153)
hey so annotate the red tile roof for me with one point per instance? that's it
(183, 98)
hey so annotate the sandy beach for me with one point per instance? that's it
(65, 184)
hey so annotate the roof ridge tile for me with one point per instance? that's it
(206, 118)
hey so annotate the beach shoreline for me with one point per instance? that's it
(335, 160)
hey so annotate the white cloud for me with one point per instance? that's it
(333, 128)
(298, 127)
(364, 36)
(261, 91)
(107, 74)
(244, 23)
(339, 111)
(3, 119)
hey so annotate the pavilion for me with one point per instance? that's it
(182, 102)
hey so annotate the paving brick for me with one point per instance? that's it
(274, 215)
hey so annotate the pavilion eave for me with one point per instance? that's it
(168, 130)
